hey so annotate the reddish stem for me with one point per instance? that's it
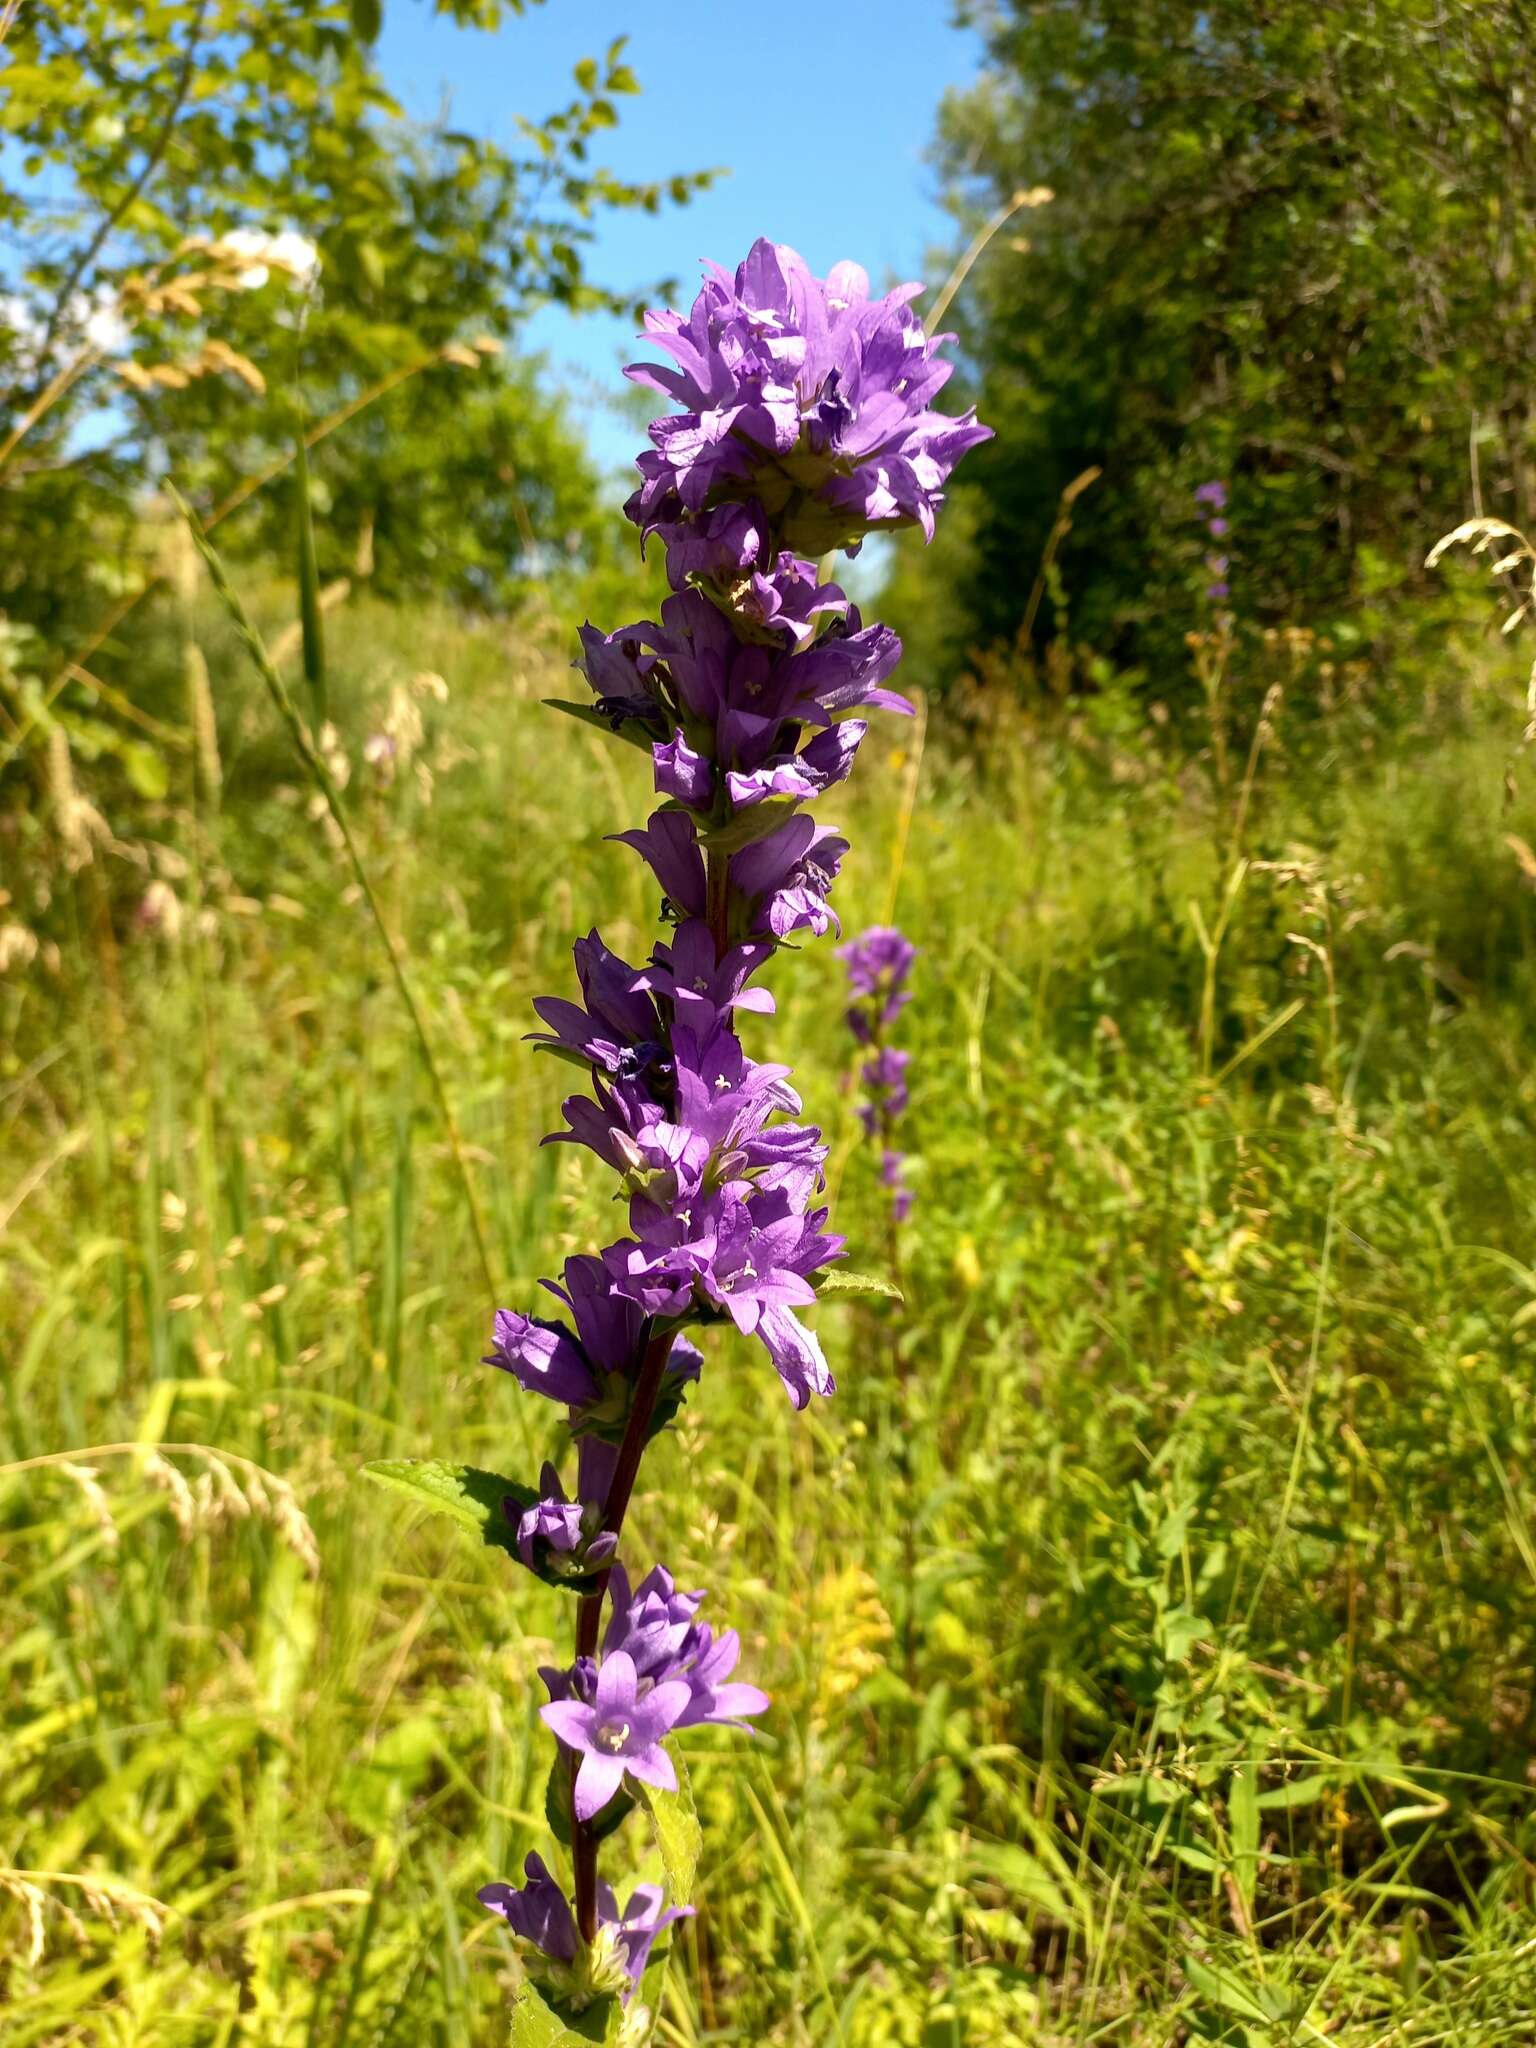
(718, 901)
(653, 1365)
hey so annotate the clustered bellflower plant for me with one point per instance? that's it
(804, 422)
(878, 963)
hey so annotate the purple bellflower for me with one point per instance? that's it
(805, 419)
(540, 1915)
(878, 963)
(1212, 499)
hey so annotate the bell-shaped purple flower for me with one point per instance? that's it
(542, 1357)
(618, 1030)
(787, 877)
(561, 1538)
(620, 1733)
(539, 1914)
(537, 1911)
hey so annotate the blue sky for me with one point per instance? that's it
(821, 111)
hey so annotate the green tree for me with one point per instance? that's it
(1292, 247)
(132, 128)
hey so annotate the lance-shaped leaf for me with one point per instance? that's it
(678, 1835)
(468, 1496)
(635, 730)
(534, 2025)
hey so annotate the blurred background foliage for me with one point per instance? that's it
(1149, 1620)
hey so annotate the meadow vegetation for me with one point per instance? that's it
(1149, 1618)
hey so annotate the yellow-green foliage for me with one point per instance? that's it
(1157, 1665)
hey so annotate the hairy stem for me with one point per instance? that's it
(653, 1365)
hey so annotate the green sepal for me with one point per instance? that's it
(633, 730)
(557, 1807)
(838, 1282)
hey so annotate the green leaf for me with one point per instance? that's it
(678, 1834)
(474, 1499)
(839, 1282)
(1243, 1807)
(535, 2026)
(1228, 1992)
(467, 1495)
(634, 730)
(1023, 1876)
(1297, 1792)
(367, 20)
(145, 769)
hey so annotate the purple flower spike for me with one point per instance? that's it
(804, 418)
(619, 1734)
(1213, 494)
(879, 962)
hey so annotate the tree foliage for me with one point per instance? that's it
(1291, 245)
(133, 128)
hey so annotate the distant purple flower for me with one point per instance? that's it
(885, 1083)
(1217, 528)
(1213, 494)
(879, 962)
(619, 1734)
(891, 1164)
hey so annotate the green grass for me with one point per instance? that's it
(1149, 1619)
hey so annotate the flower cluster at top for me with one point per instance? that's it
(878, 963)
(1212, 500)
(807, 423)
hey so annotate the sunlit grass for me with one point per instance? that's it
(1207, 1707)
